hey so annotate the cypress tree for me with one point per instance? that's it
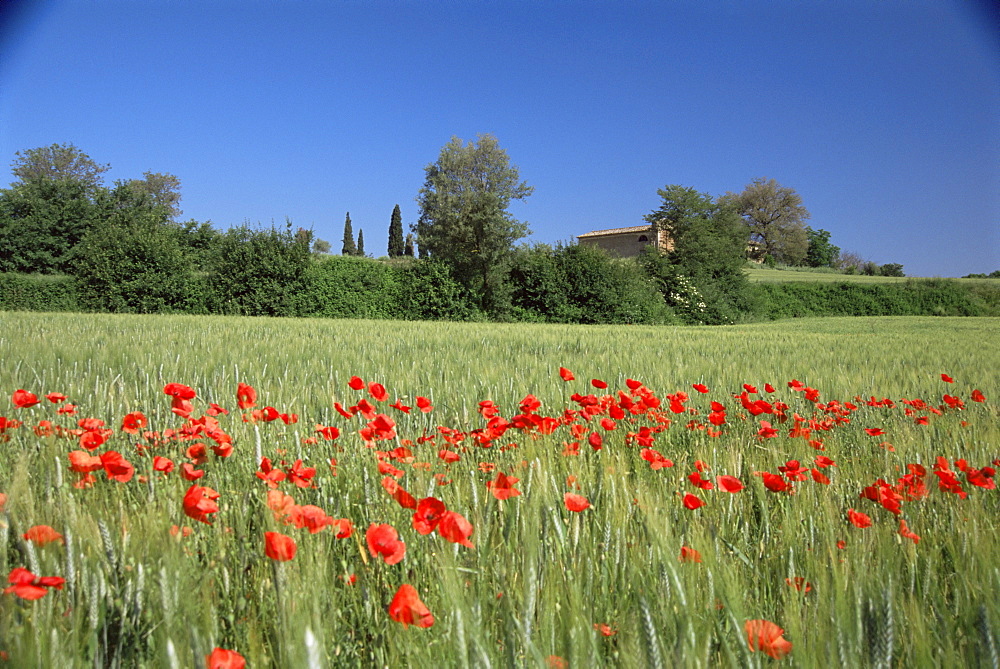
(361, 244)
(408, 246)
(396, 233)
(349, 248)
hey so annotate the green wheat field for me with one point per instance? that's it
(665, 566)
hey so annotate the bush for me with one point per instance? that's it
(428, 292)
(351, 287)
(891, 269)
(38, 292)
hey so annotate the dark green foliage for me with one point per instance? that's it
(361, 244)
(197, 241)
(701, 277)
(396, 244)
(775, 218)
(582, 284)
(41, 222)
(346, 287)
(821, 253)
(891, 269)
(258, 272)
(38, 292)
(59, 162)
(429, 292)
(924, 297)
(408, 246)
(992, 275)
(464, 219)
(349, 248)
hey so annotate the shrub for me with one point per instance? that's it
(351, 287)
(38, 292)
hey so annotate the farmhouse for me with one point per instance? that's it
(626, 242)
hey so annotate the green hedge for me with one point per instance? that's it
(916, 297)
(38, 292)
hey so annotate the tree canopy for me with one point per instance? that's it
(58, 162)
(775, 216)
(396, 244)
(463, 214)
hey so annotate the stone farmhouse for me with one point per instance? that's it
(626, 242)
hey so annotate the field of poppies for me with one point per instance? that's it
(185, 492)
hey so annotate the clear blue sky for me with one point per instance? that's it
(884, 115)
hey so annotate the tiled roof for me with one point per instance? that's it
(615, 231)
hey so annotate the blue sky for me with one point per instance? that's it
(883, 115)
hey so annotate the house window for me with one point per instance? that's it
(643, 238)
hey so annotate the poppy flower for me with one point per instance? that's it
(42, 534)
(597, 383)
(162, 464)
(117, 467)
(378, 392)
(595, 441)
(799, 583)
(604, 629)
(406, 608)
(199, 502)
(689, 554)
(576, 503)
(692, 502)
(133, 422)
(766, 431)
(502, 486)
(875, 431)
(455, 528)
(279, 547)
(26, 585)
(774, 482)
(179, 391)
(729, 483)
(424, 404)
(356, 383)
(246, 396)
(947, 379)
(309, 517)
(655, 459)
(566, 374)
(56, 398)
(765, 636)
(858, 519)
(23, 399)
(700, 387)
(220, 658)
(906, 533)
(768, 388)
(977, 396)
(428, 515)
(383, 540)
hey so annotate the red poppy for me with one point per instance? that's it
(947, 379)
(356, 383)
(26, 585)
(566, 374)
(428, 515)
(766, 431)
(383, 540)
(799, 583)
(774, 482)
(977, 396)
(604, 629)
(597, 383)
(424, 404)
(692, 502)
(133, 422)
(765, 636)
(575, 502)
(309, 517)
(117, 467)
(162, 464)
(377, 391)
(858, 519)
(768, 388)
(503, 486)
(906, 533)
(822, 461)
(406, 608)
(199, 502)
(875, 431)
(729, 483)
(56, 398)
(220, 658)
(595, 441)
(343, 528)
(246, 396)
(279, 547)
(655, 459)
(700, 387)
(455, 528)
(23, 399)
(689, 554)
(42, 534)
(179, 391)
(449, 456)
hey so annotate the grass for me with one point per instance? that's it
(539, 577)
(761, 274)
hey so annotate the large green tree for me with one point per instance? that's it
(821, 253)
(396, 243)
(775, 217)
(463, 215)
(348, 248)
(701, 275)
(59, 162)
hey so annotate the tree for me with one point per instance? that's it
(163, 189)
(821, 253)
(361, 244)
(59, 162)
(463, 215)
(349, 249)
(408, 245)
(701, 276)
(774, 214)
(396, 243)
(320, 248)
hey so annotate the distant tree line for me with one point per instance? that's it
(122, 248)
